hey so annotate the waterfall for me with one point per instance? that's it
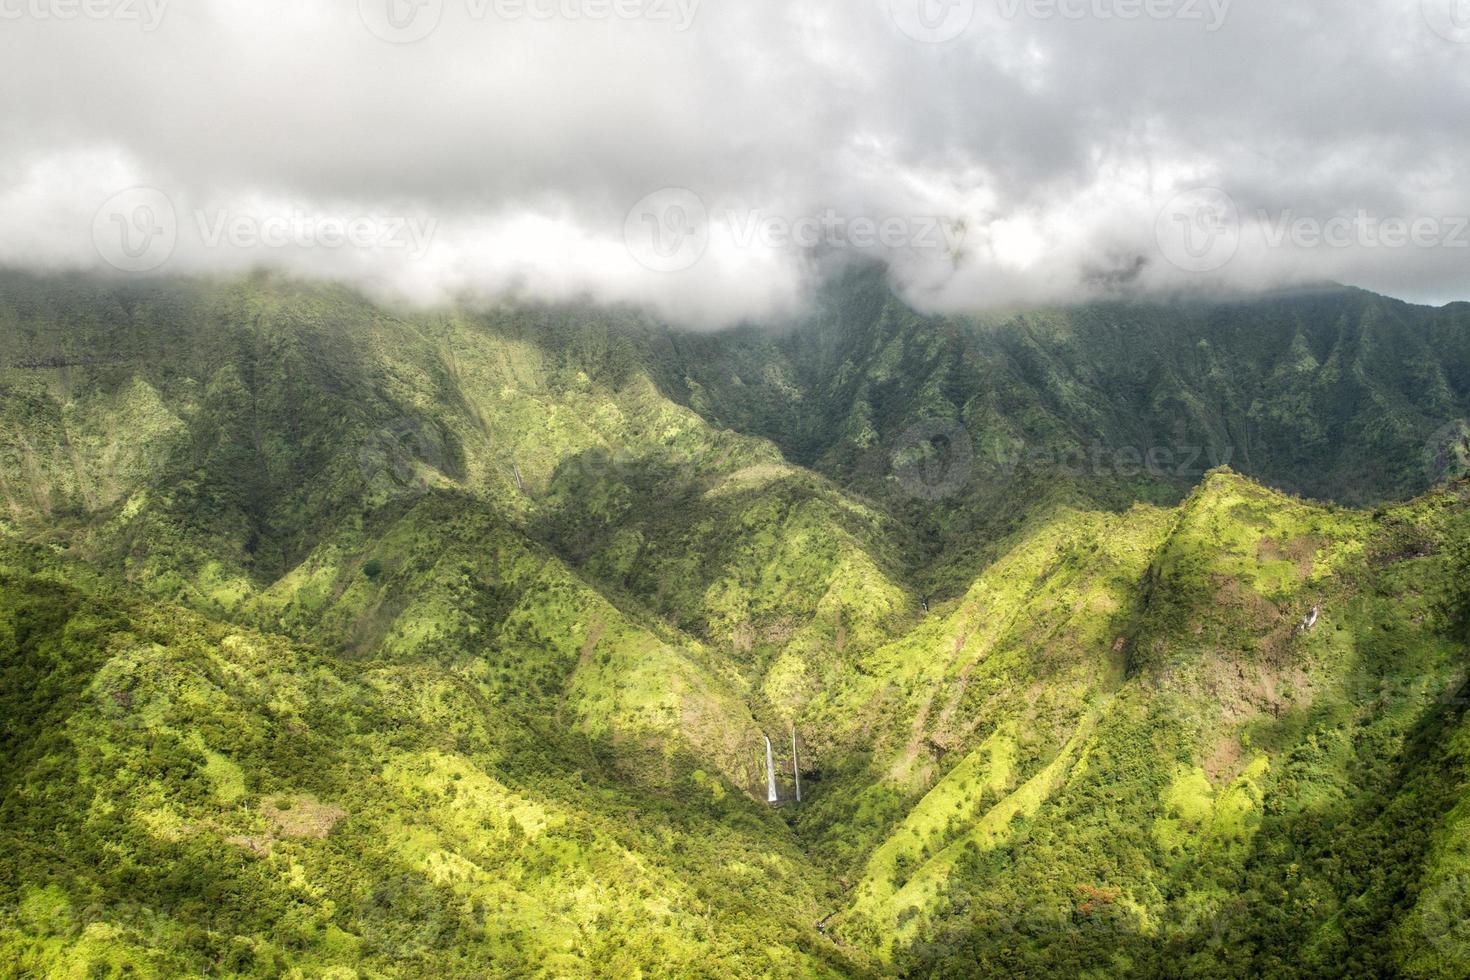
(771, 796)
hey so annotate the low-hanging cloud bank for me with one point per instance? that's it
(703, 156)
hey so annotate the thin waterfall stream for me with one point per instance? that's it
(771, 796)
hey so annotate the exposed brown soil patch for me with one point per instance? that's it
(1301, 552)
(1224, 759)
(1259, 613)
(589, 645)
(780, 632)
(291, 818)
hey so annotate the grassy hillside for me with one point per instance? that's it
(1160, 837)
(957, 423)
(186, 798)
(359, 641)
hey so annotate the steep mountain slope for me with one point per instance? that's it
(1299, 390)
(334, 475)
(1334, 393)
(186, 798)
(1155, 831)
(1236, 813)
(330, 630)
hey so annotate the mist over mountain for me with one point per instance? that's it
(1122, 638)
(1017, 152)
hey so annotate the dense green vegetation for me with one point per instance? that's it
(337, 640)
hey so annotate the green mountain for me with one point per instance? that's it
(341, 640)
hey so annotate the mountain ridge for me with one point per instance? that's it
(500, 535)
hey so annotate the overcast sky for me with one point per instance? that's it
(710, 157)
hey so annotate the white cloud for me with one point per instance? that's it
(523, 142)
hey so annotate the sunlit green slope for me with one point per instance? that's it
(186, 798)
(339, 637)
(1258, 790)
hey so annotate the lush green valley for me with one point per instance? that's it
(340, 640)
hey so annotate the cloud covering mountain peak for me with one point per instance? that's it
(705, 156)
